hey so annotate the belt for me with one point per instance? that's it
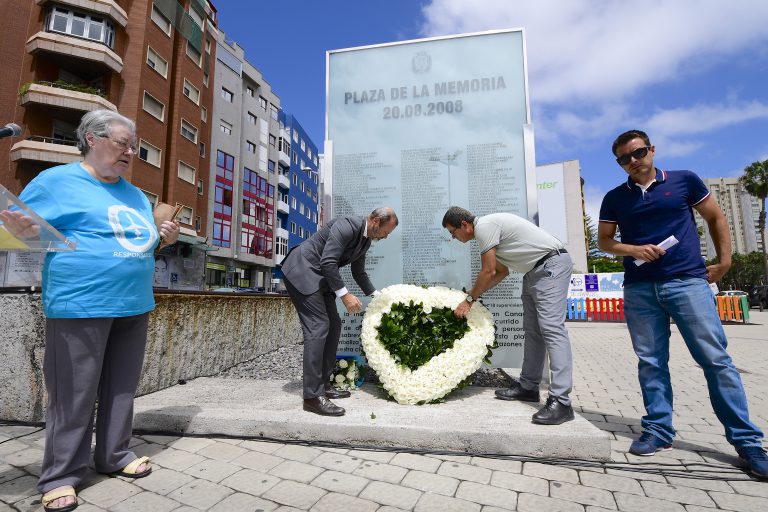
(553, 252)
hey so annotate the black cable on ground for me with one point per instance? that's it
(708, 470)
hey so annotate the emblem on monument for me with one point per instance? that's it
(421, 62)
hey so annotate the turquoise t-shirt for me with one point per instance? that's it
(110, 272)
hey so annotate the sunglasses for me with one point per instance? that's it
(636, 154)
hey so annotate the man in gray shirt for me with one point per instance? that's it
(506, 242)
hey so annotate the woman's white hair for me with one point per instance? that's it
(99, 123)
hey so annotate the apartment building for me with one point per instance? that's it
(244, 173)
(151, 61)
(742, 213)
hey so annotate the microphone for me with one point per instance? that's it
(10, 130)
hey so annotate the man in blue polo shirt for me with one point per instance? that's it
(650, 207)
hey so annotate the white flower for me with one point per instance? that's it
(339, 378)
(343, 363)
(441, 374)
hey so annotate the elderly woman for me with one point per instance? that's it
(97, 301)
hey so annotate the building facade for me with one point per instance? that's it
(149, 60)
(742, 213)
(244, 173)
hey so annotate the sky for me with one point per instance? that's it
(693, 74)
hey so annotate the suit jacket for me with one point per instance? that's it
(314, 264)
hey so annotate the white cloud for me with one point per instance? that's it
(592, 63)
(595, 50)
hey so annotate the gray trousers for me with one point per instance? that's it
(545, 290)
(88, 359)
(321, 326)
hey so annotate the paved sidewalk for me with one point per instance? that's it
(220, 474)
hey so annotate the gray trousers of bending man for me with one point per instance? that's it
(545, 290)
(86, 359)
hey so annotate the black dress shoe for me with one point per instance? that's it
(322, 406)
(336, 393)
(518, 392)
(553, 413)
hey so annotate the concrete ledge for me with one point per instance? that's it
(471, 421)
(189, 336)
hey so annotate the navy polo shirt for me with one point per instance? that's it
(649, 218)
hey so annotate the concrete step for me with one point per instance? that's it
(470, 421)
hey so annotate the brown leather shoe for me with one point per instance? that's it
(331, 392)
(322, 406)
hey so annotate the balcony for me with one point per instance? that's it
(63, 96)
(106, 7)
(69, 46)
(45, 149)
(283, 181)
(282, 207)
(284, 158)
(281, 233)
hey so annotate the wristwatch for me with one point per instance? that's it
(469, 299)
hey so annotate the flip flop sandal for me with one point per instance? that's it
(129, 471)
(59, 493)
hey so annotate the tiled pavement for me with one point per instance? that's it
(222, 475)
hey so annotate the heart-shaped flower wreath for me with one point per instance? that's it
(445, 371)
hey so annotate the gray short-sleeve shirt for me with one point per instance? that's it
(519, 243)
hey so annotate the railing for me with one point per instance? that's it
(605, 310)
(60, 84)
(730, 309)
(51, 140)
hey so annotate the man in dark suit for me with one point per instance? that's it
(312, 277)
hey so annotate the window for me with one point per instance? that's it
(295, 179)
(194, 54)
(295, 158)
(149, 153)
(205, 79)
(198, 223)
(79, 24)
(301, 208)
(284, 146)
(191, 92)
(281, 247)
(251, 147)
(208, 46)
(200, 187)
(249, 91)
(188, 131)
(226, 128)
(152, 198)
(303, 187)
(303, 145)
(153, 106)
(227, 94)
(222, 210)
(156, 62)
(186, 173)
(301, 232)
(263, 103)
(196, 16)
(293, 203)
(185, 215)
(251, 118)
(204, 114)
(271, 166)
(161, 21)
(272, 140)
(273, 112)
(293, 228)
(314, 196)
(257, 214)
(295, 136)
(201, 146)
(314, 217)
(309, 153)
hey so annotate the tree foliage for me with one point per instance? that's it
(746, 272)
(755, 182)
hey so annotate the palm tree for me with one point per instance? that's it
(755, 182)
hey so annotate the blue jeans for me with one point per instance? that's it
(648, 307)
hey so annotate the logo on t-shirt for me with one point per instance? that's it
(132, 230)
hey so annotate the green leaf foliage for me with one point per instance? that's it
(413, 337)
